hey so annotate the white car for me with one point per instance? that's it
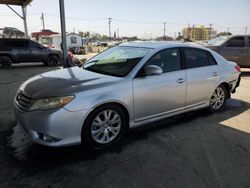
(121, 88)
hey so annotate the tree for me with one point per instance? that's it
(166, 38)
(223, 34)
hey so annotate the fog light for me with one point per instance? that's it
(47, 138)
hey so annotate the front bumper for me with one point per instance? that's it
(62, 125)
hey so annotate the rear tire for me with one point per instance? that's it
(104, 127)
(218, 99)
(5, 61)
(52, 61)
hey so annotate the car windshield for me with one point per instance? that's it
(217, 41)
(116, 61)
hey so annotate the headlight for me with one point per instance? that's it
(51, 103)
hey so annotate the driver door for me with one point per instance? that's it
(37, 53)
(159, 94)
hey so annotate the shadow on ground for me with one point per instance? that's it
(26, 151)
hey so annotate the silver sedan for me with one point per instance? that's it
(123, 87)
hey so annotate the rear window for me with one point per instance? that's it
(196, 58)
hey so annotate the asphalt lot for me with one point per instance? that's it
(192, 150)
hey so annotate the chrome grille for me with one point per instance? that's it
(23, 102)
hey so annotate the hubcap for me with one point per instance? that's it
(217, 98)
(106, 126)
(5, 61)
(52, 62)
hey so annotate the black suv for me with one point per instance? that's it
(25, 50)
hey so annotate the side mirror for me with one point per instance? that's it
(152, 70)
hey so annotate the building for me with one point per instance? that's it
(73, 40)
(42, 33)
(198, 33)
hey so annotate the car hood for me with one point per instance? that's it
(64, 82)
(54, 50)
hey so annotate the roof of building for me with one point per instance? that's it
(16, 2)
(44, 32)
(59, 35)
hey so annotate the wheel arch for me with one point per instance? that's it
(10, 56)
(118, 104)
(228, 88)
(57, 55)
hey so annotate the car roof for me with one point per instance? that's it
(160, 44)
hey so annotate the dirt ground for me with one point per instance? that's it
(196, 149)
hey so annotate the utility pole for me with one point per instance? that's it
(118, 33)
(245, 30)
(164, 29)
(110, 20)
(210, 30)
(42, 18)
(63, 30)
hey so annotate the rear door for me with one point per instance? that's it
(235, 49)
(18, 49)
(202, 75)
(159, 94)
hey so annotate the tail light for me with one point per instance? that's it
(237, 67)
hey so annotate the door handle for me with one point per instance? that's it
(180, 80)
(215, 74)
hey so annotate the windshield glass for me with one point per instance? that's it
(217, 41)
(116, 61)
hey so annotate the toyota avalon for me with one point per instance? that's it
(123, 87)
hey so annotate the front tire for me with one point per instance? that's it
(52, 61)
(104, 127)
(5, 61)
(218, 99)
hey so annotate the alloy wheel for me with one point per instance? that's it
(106, 126)
(218, 98)
(5, 61)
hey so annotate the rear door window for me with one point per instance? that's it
(16, 43)
(238, 42)
(195, 58)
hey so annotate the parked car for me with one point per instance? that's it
(234, 48)
(123, 87)
(25, 50)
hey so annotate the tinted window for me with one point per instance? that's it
(33, 44)
(211, 59)
(236, 42)
(196, 58)
(16, 43)
(169, 60)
